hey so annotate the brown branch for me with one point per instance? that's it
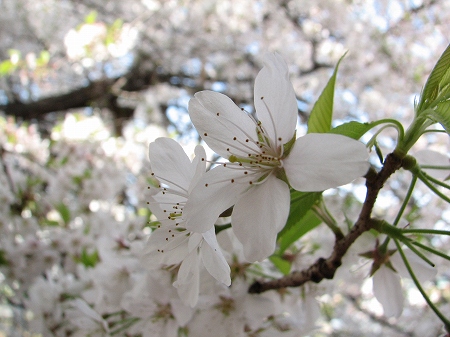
(77, 98)
(326, 268)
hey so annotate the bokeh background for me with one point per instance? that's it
(85, 85)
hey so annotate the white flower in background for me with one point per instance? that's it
(433, 158)
(387, 286)
(234, 312)
(171, 243)
(261, 150)
(88, 321)
(159, 307)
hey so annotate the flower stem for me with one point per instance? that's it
(406, 200)
(422, 291)
(425, 231)
(321, 211)
(434, 180)
(427, 182)
(431, 250)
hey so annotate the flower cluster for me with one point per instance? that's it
(264, 161)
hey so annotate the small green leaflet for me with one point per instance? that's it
(437, 83)
(322, 112)
(64, 212)
(89, 260)
(441, 114)
(282, 265)
(353, 129)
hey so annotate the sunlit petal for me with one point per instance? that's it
(222, 124)
(321, 161)
(170, 163)
(278, 110)
(388, 291)
(259, 215)
(213, 259)
(214, 193)
(199, 166)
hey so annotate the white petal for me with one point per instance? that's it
(428, 157)
(188, 292)
(170, 163)
(321, 161)
(86, 309)
(218, 131)
(188, 280)
(199, 166)
(194, 241)
(206, 203)
(278, 110)
(259, 215)
(181, 312)
(213, 258)
(423, 271)
(388, 291)
(172, 249)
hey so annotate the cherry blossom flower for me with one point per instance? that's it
(264, 157)
(387, 287)
(171, 243)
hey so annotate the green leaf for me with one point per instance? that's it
(51, 223)
(434, 84)
(308, 222)
(43, 59)
(64, 212)
(88, 260)
(6, 67)
(91, 17)
(3, 260)
(441, 114)
(352, 129)
(282, 265)
(322, 112)
(301, 203)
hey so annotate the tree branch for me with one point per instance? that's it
(326, 268)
